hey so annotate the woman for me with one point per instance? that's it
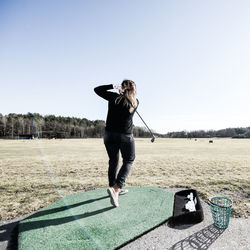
(118, 135)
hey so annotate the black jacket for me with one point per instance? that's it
(119, 119)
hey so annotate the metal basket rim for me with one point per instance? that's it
(214, 204)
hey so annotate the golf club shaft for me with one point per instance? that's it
(145, 124)
(153, 137)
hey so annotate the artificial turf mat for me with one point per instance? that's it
(88, 221)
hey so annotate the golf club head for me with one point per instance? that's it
(153, 139)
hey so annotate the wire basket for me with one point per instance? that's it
(221, 208)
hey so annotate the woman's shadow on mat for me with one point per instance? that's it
(65, 207)
(15, 229)
(30, 225)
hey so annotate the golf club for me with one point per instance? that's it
(119, 89)
(153, 137)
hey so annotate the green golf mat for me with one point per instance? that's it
(88, 221)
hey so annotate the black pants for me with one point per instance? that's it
(115, 142)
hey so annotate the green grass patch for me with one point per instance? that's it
(88, 221)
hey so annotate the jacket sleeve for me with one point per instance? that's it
(103, 92)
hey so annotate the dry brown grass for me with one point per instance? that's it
(35, 173)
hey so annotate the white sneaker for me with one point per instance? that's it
(113, 199)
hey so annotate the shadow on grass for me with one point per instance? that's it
(40, 223)
(6, 229)
(26, 226)
(63, 208)
(200, 240)
(10, 231)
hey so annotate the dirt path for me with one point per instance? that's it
(203, 235)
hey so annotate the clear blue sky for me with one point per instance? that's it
(190, 59)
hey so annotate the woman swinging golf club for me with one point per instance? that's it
(118, 135)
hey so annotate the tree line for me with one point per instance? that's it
(34, 125)
(228, 132)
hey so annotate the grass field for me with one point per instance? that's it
(35, 172)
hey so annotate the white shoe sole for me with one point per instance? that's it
(123, 191)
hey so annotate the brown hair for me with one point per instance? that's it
(128, 93)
